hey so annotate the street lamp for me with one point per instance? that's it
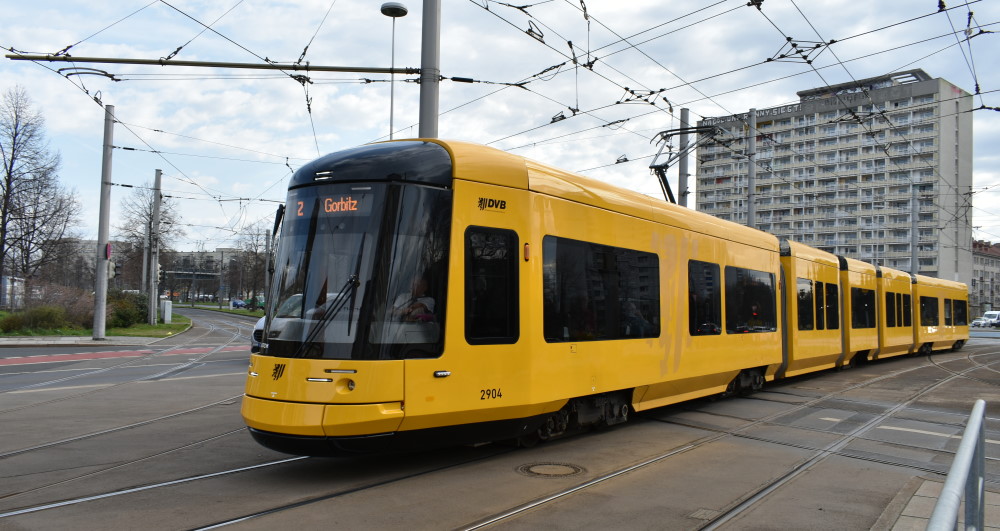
(393, 10)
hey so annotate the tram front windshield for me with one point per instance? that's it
(360, 273)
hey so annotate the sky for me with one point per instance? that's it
(619, 72)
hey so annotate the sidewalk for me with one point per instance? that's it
(911, 509)
(56, 341)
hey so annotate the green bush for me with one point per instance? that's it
(126, 309)
(12, 323)
(45, 317)
(38, 318)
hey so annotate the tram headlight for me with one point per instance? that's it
(345, 386)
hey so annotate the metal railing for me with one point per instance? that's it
(967, 474)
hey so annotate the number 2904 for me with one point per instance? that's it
(490, 394)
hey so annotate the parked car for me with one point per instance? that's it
(979, 322)
(258, 335)
(236, 303)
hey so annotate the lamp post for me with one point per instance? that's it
(393, 10)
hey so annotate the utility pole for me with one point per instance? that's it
(222, 275)
(103, 223)
(915, 230)
(154, 248)
(682, 164)
(145, 259)
(752, 170)
(430, 69)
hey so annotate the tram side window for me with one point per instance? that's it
(820, 306)
(596, 292)
(961, 313)
(491, 286)
(907, 311)
(862, 308)
(899, 309)
(750, 304)
(805, 296)
(704, 299)
(890, 309)
(832, 307)
(929, 311)
(947, 312)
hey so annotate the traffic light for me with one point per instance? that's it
(118, 269)
(112, 270)
(160, 274)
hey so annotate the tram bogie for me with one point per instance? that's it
(441, 293)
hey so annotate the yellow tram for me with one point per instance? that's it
(436, 292)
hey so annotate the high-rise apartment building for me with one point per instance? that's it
(854, 169)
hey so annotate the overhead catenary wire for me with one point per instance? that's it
(587, 126)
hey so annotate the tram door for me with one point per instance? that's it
(476, 374)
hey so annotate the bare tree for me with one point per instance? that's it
(40, 225)
(136, 218)
(252, 257)
(26, 161)
(137, 214)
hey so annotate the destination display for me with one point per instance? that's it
(336, 205)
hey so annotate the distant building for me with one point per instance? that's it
(13, 292)
(984, 290)
(838, 171)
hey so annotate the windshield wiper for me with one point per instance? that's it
(356, 282)
(349, 289)
(331, 311)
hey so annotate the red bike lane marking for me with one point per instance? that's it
(85, 356)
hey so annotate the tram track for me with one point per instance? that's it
(173, 368)
(820, 454)
(831, 449)
(225, 401)
(134, 362)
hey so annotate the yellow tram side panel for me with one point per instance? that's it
(675, 366)
(941, 336)
(894, 340)
(857, 341)
(816, 348)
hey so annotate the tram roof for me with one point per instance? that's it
(488, 165)
(925, 280)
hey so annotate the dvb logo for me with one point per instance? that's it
(493, 204)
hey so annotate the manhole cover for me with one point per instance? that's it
(549, 470)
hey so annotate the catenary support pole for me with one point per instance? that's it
(752, 169)
(143, 286)
(430, 69)
(154, 248)
(682, 164)
(103, 223)
(914, 230)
